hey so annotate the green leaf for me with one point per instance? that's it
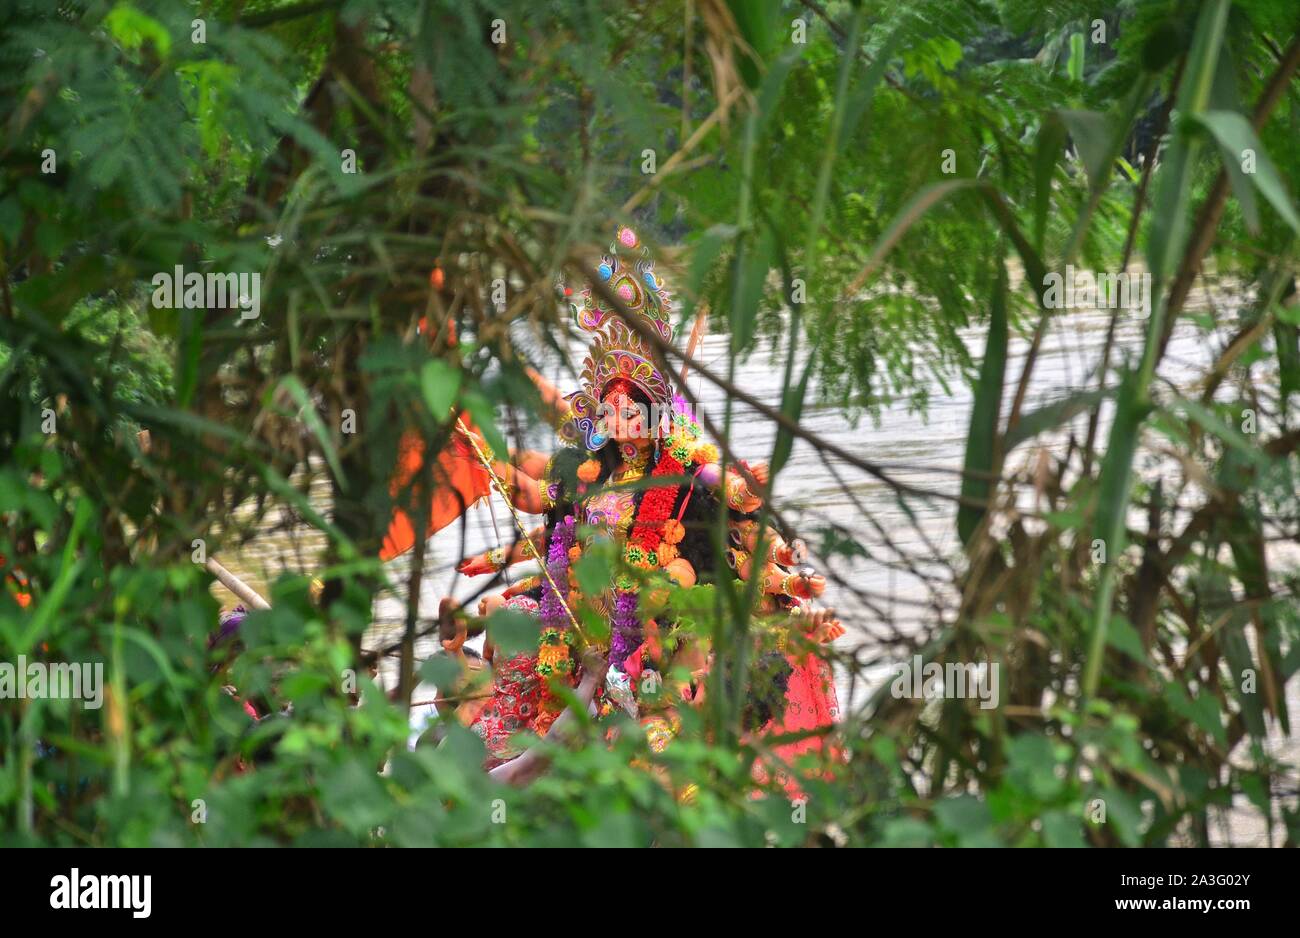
(1092, 134)
(513, 631)
(1053, 415)
(1224, 96)
(750, 269)
(1286, 340)
(440, 383)
(760, 28)
(1074, 66)
(1125, 638)
(1203, 710)
(769, 94)
(909, 215)
(1212, 423)
(594, 570)
(1114, 486)
(1062, 830)
(11, 222)
(792, 402)
(442, 671)
(485, 418)
(1237, 140)
(1232, 641)
(703, 256)
(354, 796)
(1050, 143)
(159, 656)
(132, 28)
(189, 348)
(617, 829)
(1124, 812)
(308, 414)
(864, 92)
(967, 817)
(1169, 226)
(981, 440)
(1032, 766)
(907, 832)
(47, 609)
(1162, 46)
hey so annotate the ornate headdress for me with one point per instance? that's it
(617, 352)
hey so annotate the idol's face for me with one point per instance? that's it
(626, 420)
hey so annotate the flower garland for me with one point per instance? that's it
(654, 535)
(652, 541)
(656, 507)
(625, 629)
(553, 650)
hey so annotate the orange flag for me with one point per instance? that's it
(459, 480)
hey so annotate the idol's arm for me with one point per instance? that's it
(525, 493)
(493, 560)
(530, 462)
(774, 580)
(555, 406)
(787, 553)
(734, 486)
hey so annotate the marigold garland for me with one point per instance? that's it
(652, 541)
(674, 531)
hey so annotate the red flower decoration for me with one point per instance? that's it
(656, 507)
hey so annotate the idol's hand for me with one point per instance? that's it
(448, 616)
(489, 604)
(739, 496)
(807, 585)
(787, 553)
(698, 678)
(453, 646)
(479, 564)
(518, 589)
(823, 627)
(791, 553)
(594, 666)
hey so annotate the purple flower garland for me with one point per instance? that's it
(552, 606)
(552, 610)
(625, 631)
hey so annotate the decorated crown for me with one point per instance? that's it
(617, 352)
(633, 280)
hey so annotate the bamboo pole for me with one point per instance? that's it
(246, 593)
(697, 336)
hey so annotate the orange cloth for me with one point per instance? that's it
(459, 480)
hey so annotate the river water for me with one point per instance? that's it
(882, 594)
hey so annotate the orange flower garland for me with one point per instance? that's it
(656, 508)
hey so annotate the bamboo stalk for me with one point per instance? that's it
(246, 593)
(697, 336)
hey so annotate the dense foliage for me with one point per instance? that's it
(850, 180)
